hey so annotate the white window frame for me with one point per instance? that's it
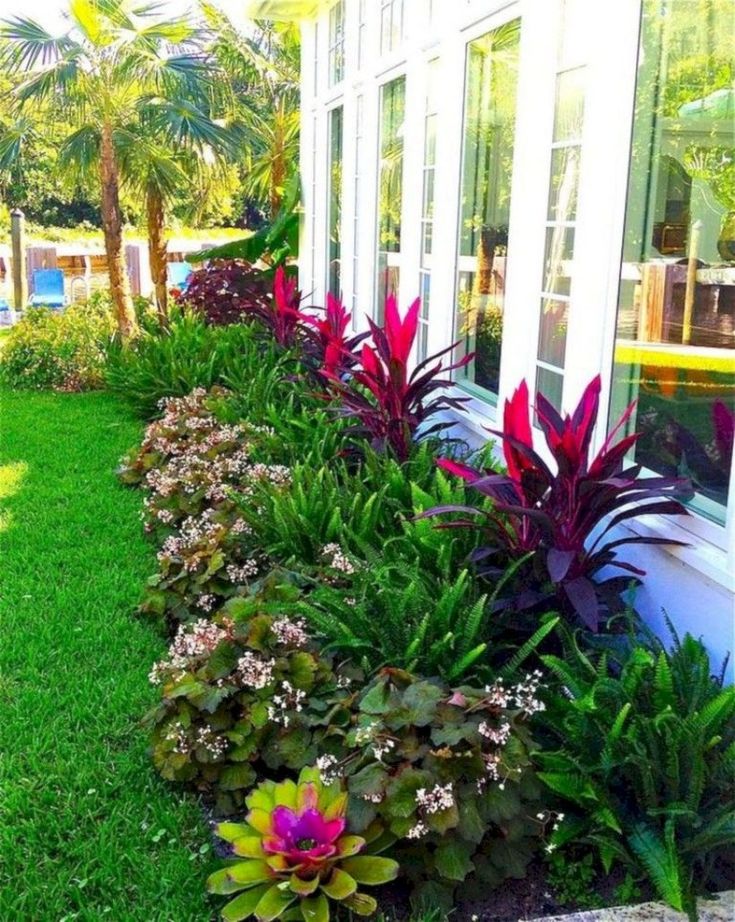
(600, 210)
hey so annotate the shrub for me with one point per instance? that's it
(243, 694)
(553, 516)
(448, 772)
(226, 291)
(194, 467)
(392, 406)
(64, 350)
(293, 849)
(645, 763)
(174, 361)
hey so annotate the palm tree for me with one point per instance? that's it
(119, 74)
(265, 71)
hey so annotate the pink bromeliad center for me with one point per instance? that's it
(306, 839)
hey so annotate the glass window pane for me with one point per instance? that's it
(675, 345)
(390, 190)
(553, 332)
(569, 110)
(558, 258)
(489, 135)
(335, 200)
(550, 384)
(336, 43)
(564, 183)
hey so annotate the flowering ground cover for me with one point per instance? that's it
(87, 830)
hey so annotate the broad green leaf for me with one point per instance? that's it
(315, 908)
(367, 869)
(244, 905)
(340, 885)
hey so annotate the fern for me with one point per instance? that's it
(660, 861)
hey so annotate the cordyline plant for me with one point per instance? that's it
(327, 342)
(282, 314)
(391, 404)
(563, 517)
(293, 855)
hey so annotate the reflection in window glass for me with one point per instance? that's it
(334, 224)
(337, 43)
(489, 132)
(427, 209)
(561, 215)
(357, 197)
(391, 25)
(675, 345)
(390, 192)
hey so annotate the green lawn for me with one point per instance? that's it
(87, 830)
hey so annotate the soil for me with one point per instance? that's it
(512, 901)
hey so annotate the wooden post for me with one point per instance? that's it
(691, 287)
(17, 236)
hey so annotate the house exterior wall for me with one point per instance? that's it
(351, 52)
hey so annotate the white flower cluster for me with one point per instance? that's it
(290, 699)
(337, 559)
(440, 797)
(277, 474)
(382, 747)
(525, 694)
(198, 640)
(206, 601)
(243, 572)
(329, 770)
(418, 831)
(254, 671)
(499, 736)
(177, 734)
(290, 633)
(209, 740)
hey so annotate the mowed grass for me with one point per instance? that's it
(87, 829)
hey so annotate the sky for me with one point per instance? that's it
(49, 12)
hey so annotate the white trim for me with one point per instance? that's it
(610, 56)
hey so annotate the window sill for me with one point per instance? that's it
(699, 554)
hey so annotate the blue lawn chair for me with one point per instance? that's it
(48, 288)
(7, 314)
(178, 275)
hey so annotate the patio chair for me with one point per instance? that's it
(48, 288)
(178, 275)
(7, 314)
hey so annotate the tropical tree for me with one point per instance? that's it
(122, 76)
(264, 67)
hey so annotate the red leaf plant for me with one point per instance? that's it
(327, 344)
(283, 315)
(564, 517)
(225, 291)
(391, 404)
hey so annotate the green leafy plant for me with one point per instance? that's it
(645, 762)
(64, 350)
(448, 772)
(172, 362)
(294, 855)
(244, 694)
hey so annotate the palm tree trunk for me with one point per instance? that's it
(112, 225)
(157, 251)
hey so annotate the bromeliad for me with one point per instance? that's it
(293, 855)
